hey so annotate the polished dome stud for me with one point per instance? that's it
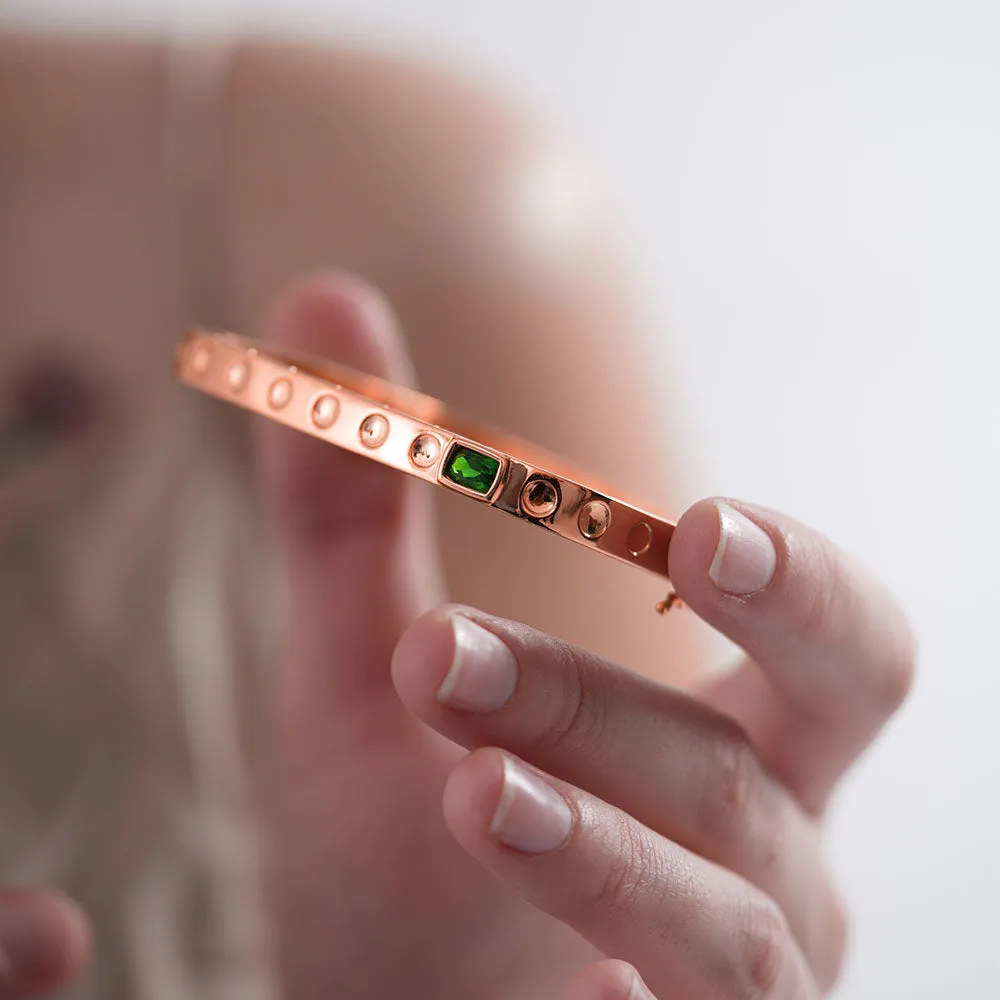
(325, 411)
(279, 394)
(374, 430)
(238, 375)
(425, 450)
(594, 519)
(539, 498)
(639, 539)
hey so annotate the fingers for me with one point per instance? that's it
(355, 536)
(836, 650)
(658, 755)
(696, 930)
(609, 980)
(339, 317)
(44, 942)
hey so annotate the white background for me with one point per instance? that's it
(814, 192)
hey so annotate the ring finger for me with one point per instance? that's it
(694, 929)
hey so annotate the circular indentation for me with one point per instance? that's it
(424, 451)
(200, 360)
(279, 394)
(238, 375)
(374, 430)
(324, 411)
(539, 498)
(639, 538)
(594, 519)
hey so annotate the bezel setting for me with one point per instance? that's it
(457, 444)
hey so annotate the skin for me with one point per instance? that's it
(544, 316)
(387, 880)
(703, 870)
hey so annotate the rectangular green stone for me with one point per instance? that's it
(472, 469)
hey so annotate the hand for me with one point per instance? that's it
(44, 942)
(600, 814)
(659, 828)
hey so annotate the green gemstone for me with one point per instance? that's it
(472, 469)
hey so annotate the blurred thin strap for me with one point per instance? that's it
(206, 634)
(198, 91)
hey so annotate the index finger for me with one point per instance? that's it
(833, 654)
(348, 528)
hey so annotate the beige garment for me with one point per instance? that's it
(133, 587)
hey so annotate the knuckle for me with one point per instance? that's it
(837, 938)
(823, 934)
(820, 601)
(632, 865)
(898, 671)
(733, 796)
(830, 605)
(580, 727)
(766, 950)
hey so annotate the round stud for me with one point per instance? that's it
(539, 498)
(594, 519)
(424, 450)
(279, 394)
(374, 430)
(238, 375)
(639, 538)
(324, 411)
(200, 360)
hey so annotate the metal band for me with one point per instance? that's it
(417, 435)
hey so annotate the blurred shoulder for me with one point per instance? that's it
(384, 162)
(382, 95)
(492, 236)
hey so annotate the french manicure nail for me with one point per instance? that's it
(483, 671)
(615, 983)
(638, 990)
(745, 558)
(531, 815)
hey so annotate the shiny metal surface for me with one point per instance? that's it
(394, 425)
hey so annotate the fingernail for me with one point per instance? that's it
(41, 937)
(638, 990)
(613, 980)
(483, 671)
(745, 559)
(531, 815)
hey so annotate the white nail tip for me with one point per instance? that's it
(727, 529)
(745, 558)
(530, 816)
(483, 672)
(507, 794)
(637, 991)
(467, 634)
(451, 678)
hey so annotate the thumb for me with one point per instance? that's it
(355, 537)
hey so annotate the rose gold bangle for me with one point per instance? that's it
(418, 435)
